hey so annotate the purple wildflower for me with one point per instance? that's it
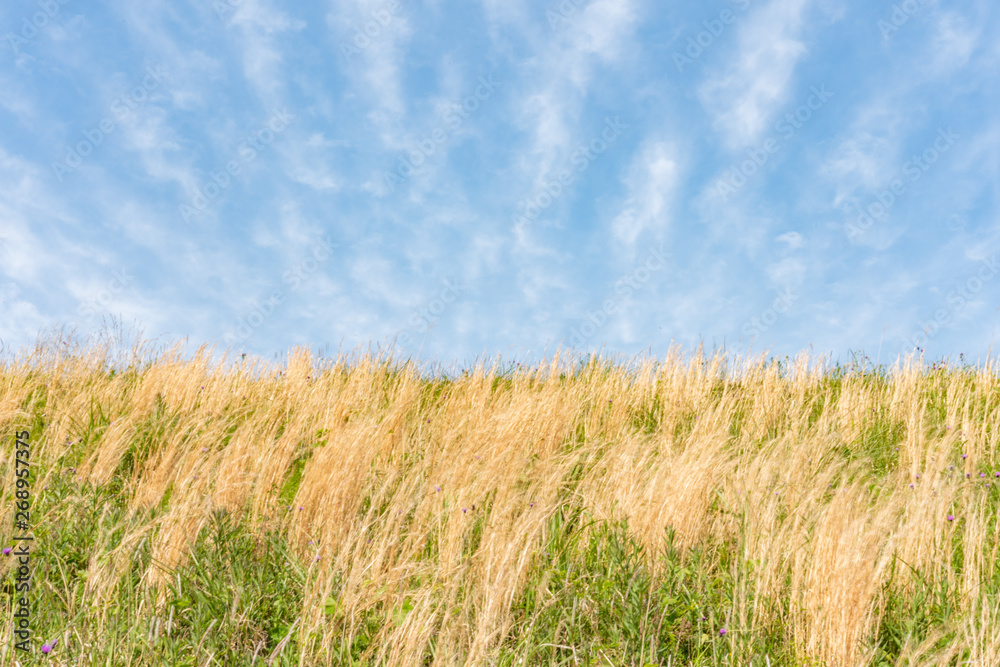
(722, 632)
(965, 456)
(6, 551)
(46, 648)
(951, 517)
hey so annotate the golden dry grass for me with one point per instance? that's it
(440, 493)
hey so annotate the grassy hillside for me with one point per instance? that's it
(353, 511)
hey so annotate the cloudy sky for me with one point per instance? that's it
(492, 177)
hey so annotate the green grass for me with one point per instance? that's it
(593, 595)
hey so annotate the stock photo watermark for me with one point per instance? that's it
(900, 14)
(454, 118)
(760, 323)
(248, 150)
(119, 283)
(957, 299)
(703, 40)
(294, 278)
(738, 175)
(581, 158)
(364, 35)
(22, 552)
(33, 25)
(427, 316)
(121, 108)
(625, 287)
(224, 7)
(913, 169)
(558, 15)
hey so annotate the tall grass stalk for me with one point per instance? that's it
(691, 510)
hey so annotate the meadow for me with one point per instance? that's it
(688, 510)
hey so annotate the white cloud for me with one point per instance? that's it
(746, 94)
(652, 183)
(793, 240)
(263, 62)
(953, 42)
(786, 272)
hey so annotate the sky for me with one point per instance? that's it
(460, 180)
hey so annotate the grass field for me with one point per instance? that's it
(353, 511)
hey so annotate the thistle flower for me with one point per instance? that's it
(951, 517)
(6, 551)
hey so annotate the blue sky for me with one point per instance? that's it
(503, 176)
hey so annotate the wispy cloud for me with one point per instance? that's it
(519, 196)
(652, 184)
(743, 97)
